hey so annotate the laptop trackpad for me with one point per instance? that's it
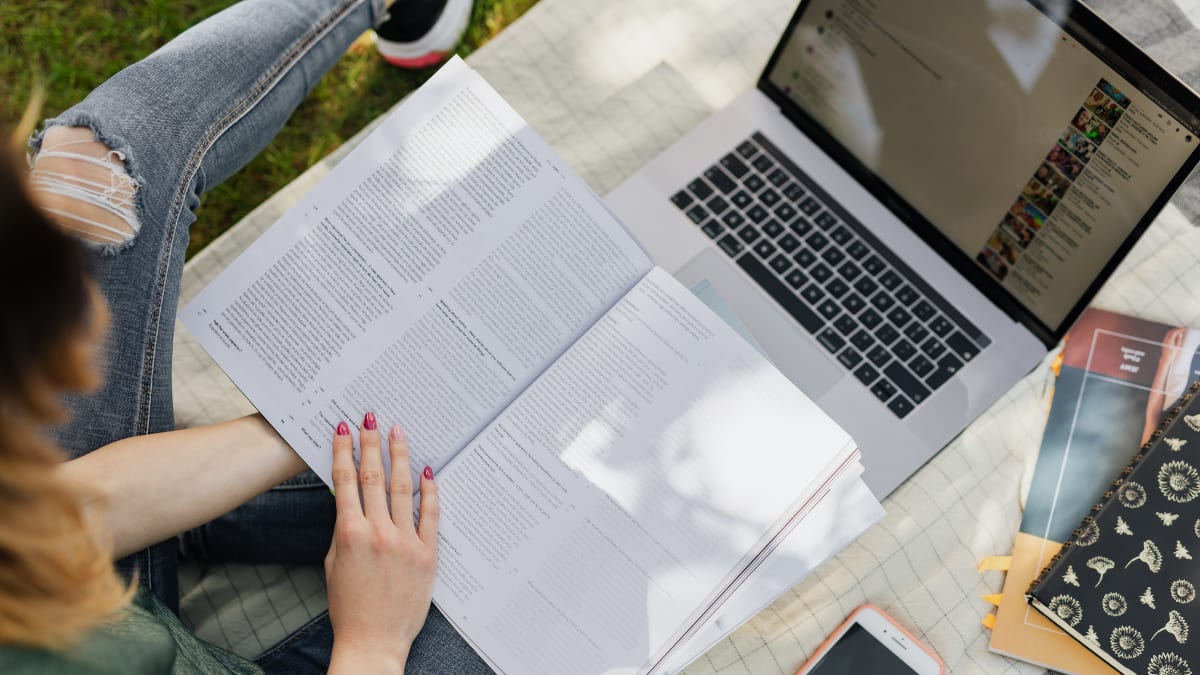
(788, 345)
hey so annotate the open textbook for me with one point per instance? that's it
(623, 478)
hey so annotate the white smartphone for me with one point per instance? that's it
(869, 641)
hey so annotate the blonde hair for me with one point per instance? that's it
(57, 581)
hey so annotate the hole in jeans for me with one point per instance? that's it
(82, 185)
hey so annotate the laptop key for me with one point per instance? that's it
(959, 344)
(731, 245)
(763, 163)
(887, 334)
(890, 280)
(785, 212)
(946, 369)
(817, 241)
(718, 205)
(837, 288)
(782, 294)
(777, 177)
(866, 374)
(833, 256)
(854, 303)
(794, 192)
(921, 366)
(900, 406)
(933, 348)
(879, 356)
(829, 309)
(866, 286)
(772, 228)
(734, 165)
(849, 271)
(899, 316)
(719, 178)
(682, 199)
(941, 327)
(874, 265)
(771, 198)
(781, 264)
(753, 182)
(831, 340)
(713, 229)
(747, 149)
(847, 325)
(907, 295)
(924, 311)
(916, 332)
(733, 220)
(862, 340)
(857, 250)
(742, 199)
(813, 294)
(821, 273)
(883, 390)
(801, 226)
(749, 234)
(804, 257)
(904, 380)
(700, 189)
(849, 358)
(826, 220)
(841, 235)
(796, 279)
(757, 213)
(904, 350)
(882, 301)
(765, 249)
(870, 319)
(810, 206)
(787, 242)
(698, 214)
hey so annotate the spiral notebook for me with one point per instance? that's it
(1125, 585)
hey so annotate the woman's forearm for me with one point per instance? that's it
(153, 487)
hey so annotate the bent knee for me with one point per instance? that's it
(83, 186)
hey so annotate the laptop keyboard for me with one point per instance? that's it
(884, 324)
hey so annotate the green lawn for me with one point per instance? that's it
(74, 46)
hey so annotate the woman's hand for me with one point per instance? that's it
(380, 567)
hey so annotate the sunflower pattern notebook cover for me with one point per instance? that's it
(1125, 585)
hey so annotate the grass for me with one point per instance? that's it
(75, 46)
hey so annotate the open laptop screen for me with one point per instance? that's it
(1033, 155)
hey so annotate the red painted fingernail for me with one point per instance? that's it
(369, 422)
(428, 473)
(343, 429)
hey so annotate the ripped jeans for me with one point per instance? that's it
(169, 128)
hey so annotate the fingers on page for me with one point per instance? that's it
(430, 509)
(344, 475)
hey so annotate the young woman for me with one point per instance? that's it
(86, 344)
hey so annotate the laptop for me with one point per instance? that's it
(917, 200)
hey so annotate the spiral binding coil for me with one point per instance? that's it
(1118, 482)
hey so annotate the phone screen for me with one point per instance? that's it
(858, 652)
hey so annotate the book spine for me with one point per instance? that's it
(1166, 422)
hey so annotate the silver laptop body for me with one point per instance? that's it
(998, 158)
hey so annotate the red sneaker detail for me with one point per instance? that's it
(430, 59)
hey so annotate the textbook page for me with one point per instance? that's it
(430, 277)
(589, 526)
(842, 516)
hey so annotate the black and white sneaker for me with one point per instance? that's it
(422, 33)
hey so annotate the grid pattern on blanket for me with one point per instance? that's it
(616, 83)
